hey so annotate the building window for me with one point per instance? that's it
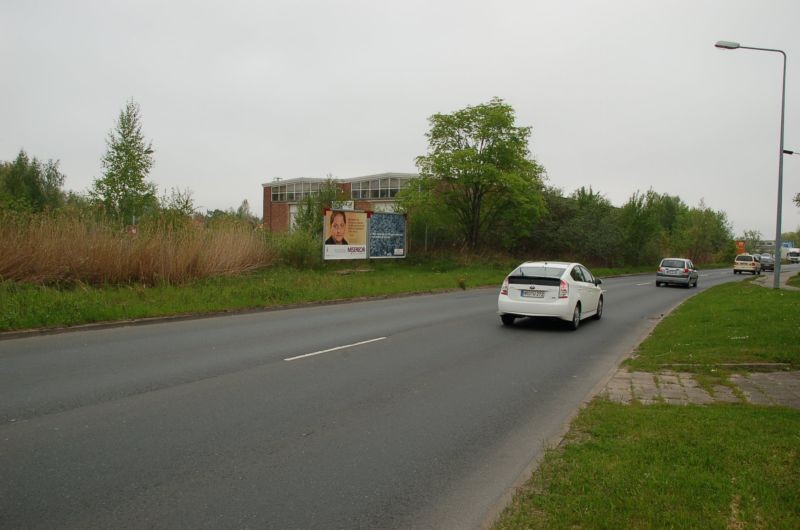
(385, 188)
(296, 192)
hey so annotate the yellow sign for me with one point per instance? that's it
(345, 235)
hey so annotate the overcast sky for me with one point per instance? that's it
(621, 95)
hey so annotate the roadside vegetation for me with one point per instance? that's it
(479, 187)
(667, 466)
(731, 324)
(672, 466)
(65, 248)
(24, 306)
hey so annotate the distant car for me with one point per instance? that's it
(567, 291)
(676, 271)
(767, 262)
(746, 263)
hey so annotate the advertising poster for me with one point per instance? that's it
(387, 235)
(344, 235)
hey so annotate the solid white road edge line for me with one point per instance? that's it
(333, 349)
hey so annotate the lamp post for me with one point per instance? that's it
(733, 46)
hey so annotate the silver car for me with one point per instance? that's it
(676, 271)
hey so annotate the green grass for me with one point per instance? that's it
(662, 466)
(734, 323)
(794, 281)
(24, 306)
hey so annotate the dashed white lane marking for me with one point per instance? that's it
(648, 283)
(333, 349)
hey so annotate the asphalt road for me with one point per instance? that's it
(282, 419)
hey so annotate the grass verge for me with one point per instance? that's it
(733, 323)
(662, 466)
(25, 306)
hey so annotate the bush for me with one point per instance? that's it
(298, 249)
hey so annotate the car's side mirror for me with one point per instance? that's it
(598, 281)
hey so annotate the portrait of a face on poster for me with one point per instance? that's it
(344, 234)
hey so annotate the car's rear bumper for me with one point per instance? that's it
(669, 278)
(561, 308)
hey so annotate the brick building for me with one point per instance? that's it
(369, 193)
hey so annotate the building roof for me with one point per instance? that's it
(278, 181)
(404, 176)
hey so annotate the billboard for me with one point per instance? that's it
(387, 235)
(344, 234)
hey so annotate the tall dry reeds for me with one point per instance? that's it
(67, 248)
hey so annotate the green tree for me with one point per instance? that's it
(548, 238)
(179, 201)
(243, 212)
(592, 230)
(704, 235)
(29, 185)
(793, 237)
(309, 211)
(641, 229)
(123, 189)
(797, 200)
(429, 226)
(479, 169)
(752, 239)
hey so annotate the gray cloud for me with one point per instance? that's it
(621, 95)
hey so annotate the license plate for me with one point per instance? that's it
(532, 294)
(673, 273)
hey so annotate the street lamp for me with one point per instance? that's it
(734, 46)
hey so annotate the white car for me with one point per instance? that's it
(567, 291)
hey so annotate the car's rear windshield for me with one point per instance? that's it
(744, 258)
(674, 263)
(549, 271)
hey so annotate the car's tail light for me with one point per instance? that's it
(661, 269)
(504, 287)
(686, 270)
(563, 290)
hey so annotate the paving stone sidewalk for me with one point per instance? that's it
(768, 280)
(760, 388)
